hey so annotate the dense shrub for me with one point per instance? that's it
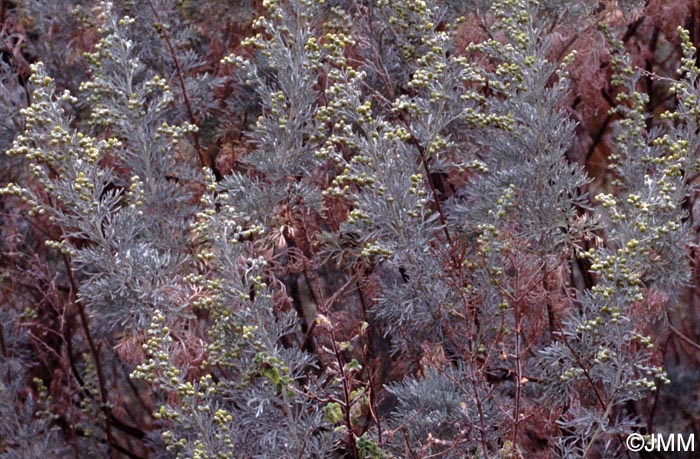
(363, 229)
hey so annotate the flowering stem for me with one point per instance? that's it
(203, 160)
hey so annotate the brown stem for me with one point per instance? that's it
(522, 289)
(679, 334)
(3, 347)
(127, 452)
(324, 306)
(518, 374)
(129, 429)
(586, 373)
(203, 160)
(433, 189)
(369, 361)
(94, 351)
(473, 380)
(376, 50)
(139, 397)
(3, 13)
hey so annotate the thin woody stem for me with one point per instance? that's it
(203, 160)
